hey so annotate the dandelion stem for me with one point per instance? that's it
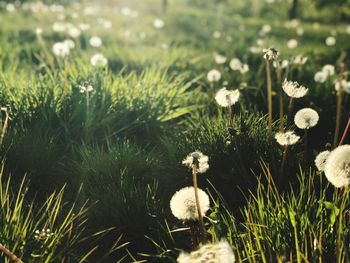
(345, 132)
(339, 105)
(290, 106)
(285, 153)
(200, 217)
(269, 94)
(305, 144)
(9, 254)
(5, 125)
(280, 95)
(229, 116)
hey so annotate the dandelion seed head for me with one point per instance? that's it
(158, 23)
(320, 160)
(95, 41)
(219, 252)
(98, 60)
(299, 60)
(183, 203)
(320, 77)
(329, 70)
(271, 53)
(306, 118)
(344, 84)
(214, 75)
(337, 167)
(61, 49)
(292, 43)
(197, 159)
(293, 89)
(226, 98)
(287, 138)
(219, 59)
(235, 64)
(330, 41)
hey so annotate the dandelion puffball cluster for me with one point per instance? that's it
(287, 138)
(183, 204)
(62, 49)
(293, 89)
(220, 252)
(226, 98)
(337, 166)
(306, 118)
(197, 160)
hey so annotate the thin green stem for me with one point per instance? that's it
(269, 94)
(345, 132)
(200, 217)
(339, 105)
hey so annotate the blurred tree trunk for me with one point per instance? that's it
(165, 6)
(293, 9)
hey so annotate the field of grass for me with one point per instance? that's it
(101, 103)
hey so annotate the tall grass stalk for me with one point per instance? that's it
(345, 132)
(5, 125)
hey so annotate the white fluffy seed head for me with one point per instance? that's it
(61, 49)
(95, 41)
(220, 252)
(183, 204)
(271, 54)
(219, 59)
(337, 167)
(306, 118)
(98, 60)
(226, 98)
(345, 85)
(294, 89)
(197, 159)
(287, 138)
(214, 75)
(320, 77)
(235, 64)
(320, 160)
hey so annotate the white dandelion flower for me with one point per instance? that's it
(320, 160)
(183, 203)
(328, 69)
(197, 159)
(344, 84)
(330, 41)
(214, 75)
(265, 29)
(235, 64)
(158, 23)
(271, 53)
(306, 118)
(219, 59)
(286, 138)
(292, 43)
(293, 89)
(98, 60)
(60, 49)
(337, 167)
(95, 41)
(219, 252)
(10, 8)
(226, 98)
(320, 77)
